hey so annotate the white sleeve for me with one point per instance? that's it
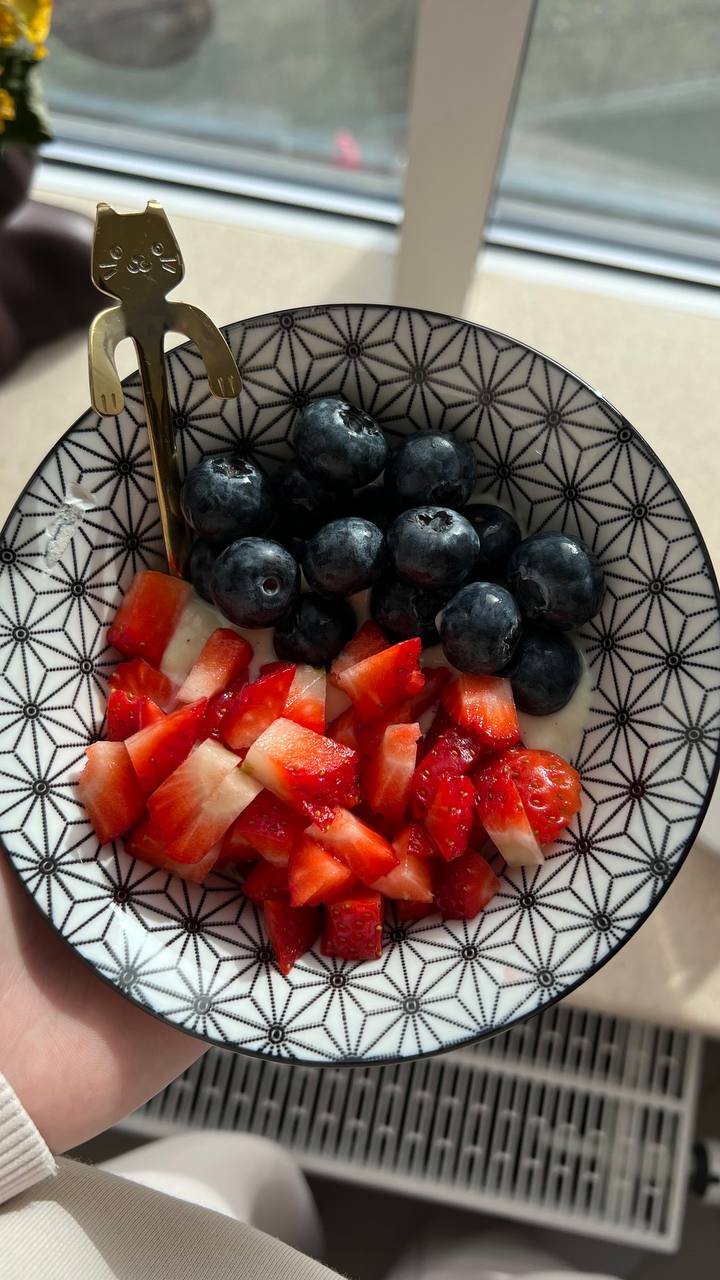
(24, 1158)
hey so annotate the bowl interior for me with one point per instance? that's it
(547, 446)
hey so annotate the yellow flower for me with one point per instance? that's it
(7, 108)
(28, 20)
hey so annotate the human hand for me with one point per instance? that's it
(78, 1055)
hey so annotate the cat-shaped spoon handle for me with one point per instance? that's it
(136, 259)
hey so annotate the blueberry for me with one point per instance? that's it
(203, 555)
(227, 497)
(557, 580)
(499, 534)
(405, 609)
(432, 546)
(438, 469)
(303, 505)
(480, 628)
(315, 631)
(344, 557)
(338, 445)
(545, 671)
(254, 582)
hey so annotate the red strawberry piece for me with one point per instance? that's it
(256, 706)
(109, 790)
(158, 750)
(389, 772)
(216, 708)
(315, 875)
(309, 772)
(148, 615)
(224, 657)
(450, 815)
(306, 699)
(343, 729)
(454, 753)
(464, 886)
(122, 717)
(503, 815)
(368, 854)
(292, 931)
(214, 818)
(149, 713)
(384, 679)
(144, 842)
(407, 911)
(441, 722)
(410, 880)
(269, 827)
(141, 680)
(181, 796)
(485, 706)
(370, 734)
(235, 848)
(549, 788)
(266, 881)
(353, 926)
(414, 839)
(368, 640)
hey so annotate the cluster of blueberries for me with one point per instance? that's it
(355, 514)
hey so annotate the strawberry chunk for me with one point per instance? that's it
(344, 729)
(410, 880)
(180, 797)
(148, 615)
(353, 926)
(213, 819)
(144, 842)
(449, 818)
(157, 750)
(503, 816)
(122, 717)
(414, 839)
(368, 854)
(256, 706)
(370, 733)
(110, 791)
(149, 713)
(383, 679)
(306, 699)
(266, 881)
(224, 657)
(315, 875)
(216, 708)
(549, 788)
(389, 772)
(140, 680)
(292, 931)
(453, 754)
(407, 911)
(309, 772)
(269, 827)
(368, 640)
(485, 706)
(235, 848)
(464, 886)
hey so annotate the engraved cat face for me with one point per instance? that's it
(135, 254)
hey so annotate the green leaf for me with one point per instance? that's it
(19, 75)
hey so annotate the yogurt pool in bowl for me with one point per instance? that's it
(639, 724)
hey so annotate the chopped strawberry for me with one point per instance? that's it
(450, 815)
(343, 729)
(266, 881)
(109, 790)
(235, 848)
(464, 886)
(441, 722)
(158, 750)
(148, 615)
(306, 699)
(214, 818)
(315, 875)
(353, 926)
(141, 680)
(292, 931)
(223, 659)
(485, 706)
(414, 839)
(269, 827)
(383, 679)
(407, 911)
(181, 796)
(368, 640)
(370, 733)
(410, 880)
(549, 788)
(309, 772)
(144, 842)
(256, 706)
(453, 754)
(216, 708)
(122, 717)
(367, 854)
(389, 773)
(149, 713)
(503, 815)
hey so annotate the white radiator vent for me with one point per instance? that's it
(574, 1120)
